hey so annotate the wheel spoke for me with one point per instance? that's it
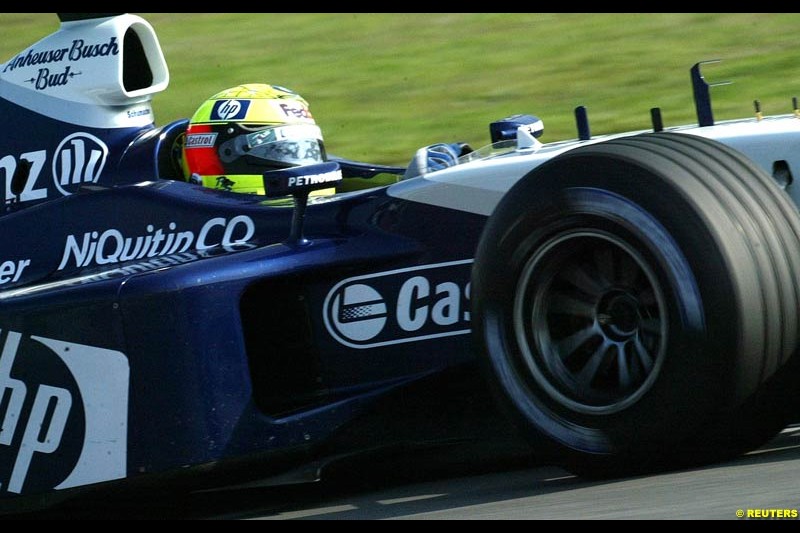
(628, 271)
(643, 355)
(623, 370)
(604, 259)
(651, 325)
(579, 278)
(570, 305)
(567, 346)
(590, 369)
(647, 297)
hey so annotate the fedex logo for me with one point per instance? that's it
(296, 111)
(230, 109)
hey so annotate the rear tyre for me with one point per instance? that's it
(636, 304)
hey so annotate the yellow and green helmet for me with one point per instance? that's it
(241, 132)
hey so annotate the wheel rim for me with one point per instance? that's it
(590, 321)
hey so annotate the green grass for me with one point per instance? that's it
(380, 85)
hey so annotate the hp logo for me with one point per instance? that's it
(230, 109)
(79, 159)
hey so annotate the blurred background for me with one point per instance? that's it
(381, 85)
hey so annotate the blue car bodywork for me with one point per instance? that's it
(628, 300)
(149, 324)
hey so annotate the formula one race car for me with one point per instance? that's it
(629, 301)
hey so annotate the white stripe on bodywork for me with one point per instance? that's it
(477, 186)
(474, 187)
(103, 380)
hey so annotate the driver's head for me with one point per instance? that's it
(241, 132)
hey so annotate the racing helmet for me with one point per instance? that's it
(241, 132)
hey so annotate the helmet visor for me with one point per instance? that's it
(278, 146)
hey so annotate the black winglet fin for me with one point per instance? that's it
(70, 17)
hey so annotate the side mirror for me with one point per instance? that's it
(506, 129)
(300, 182)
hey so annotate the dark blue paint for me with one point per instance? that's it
(176, 314)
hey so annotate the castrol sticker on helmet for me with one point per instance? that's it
(200, 140)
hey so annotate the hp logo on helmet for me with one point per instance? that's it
(79, 159)
(230, 109)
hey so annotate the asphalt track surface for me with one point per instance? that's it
(765, 482)
(761, 482)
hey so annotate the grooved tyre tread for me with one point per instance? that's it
(636, 303)
(768, 216)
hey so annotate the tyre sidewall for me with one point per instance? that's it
(674, 240)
